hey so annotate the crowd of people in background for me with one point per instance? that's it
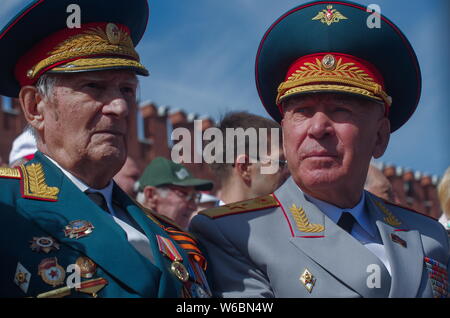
(169, 189)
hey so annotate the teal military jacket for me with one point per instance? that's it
(40, 243)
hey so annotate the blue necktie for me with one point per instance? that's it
(98, 199)
(346, 221)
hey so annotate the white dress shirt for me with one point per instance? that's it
(363, 230)
(137, 239)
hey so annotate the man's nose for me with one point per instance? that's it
(117, 105)
(320, 126)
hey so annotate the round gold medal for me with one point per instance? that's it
(179, 271)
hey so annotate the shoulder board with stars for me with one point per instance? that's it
(260, 203)
(407, 208)
(10, 173)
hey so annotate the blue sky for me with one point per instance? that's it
(201, 56)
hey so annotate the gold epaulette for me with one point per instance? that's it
(12, 173)
(264, 202)
(34, 185)
(410, 209)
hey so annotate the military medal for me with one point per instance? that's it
(22, 277)
(92, 286)
(87, 266)
(56, 293)
(44, 244)
(201, 279)
(180, 271)
(51, 272)
(177, 268)
(437, 273)
(308, 280)
(77, 229)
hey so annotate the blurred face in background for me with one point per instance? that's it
(175, 202)
(127, 176)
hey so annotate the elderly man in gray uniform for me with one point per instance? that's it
(338, 90)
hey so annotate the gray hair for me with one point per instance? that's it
(162, 191)
(45, 84)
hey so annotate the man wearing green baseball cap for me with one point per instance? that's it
(169, 189)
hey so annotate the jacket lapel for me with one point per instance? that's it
(403, 250)
(107, 245)
(330, 246)
(149, 227)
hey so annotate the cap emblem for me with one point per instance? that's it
(334, 73)
(329, 16)
(328, 62)
(182, 174)
(96, 40)
(113, 33)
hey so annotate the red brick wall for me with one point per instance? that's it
(415, 190)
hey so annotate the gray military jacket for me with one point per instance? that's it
(282, 245)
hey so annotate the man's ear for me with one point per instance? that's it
(243, 166)
(150, 197)
(32, 106)
(383, 136)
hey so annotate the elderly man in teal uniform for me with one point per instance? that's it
(339, 88)
(68, 229)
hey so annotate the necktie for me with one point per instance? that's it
(346, 221)
(98, 199)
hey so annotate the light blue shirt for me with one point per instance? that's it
(363, 230)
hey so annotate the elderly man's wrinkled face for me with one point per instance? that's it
(87, 117)
(329, 140)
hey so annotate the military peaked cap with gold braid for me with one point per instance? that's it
(264, 202)
(38, 40)
(336, 47)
